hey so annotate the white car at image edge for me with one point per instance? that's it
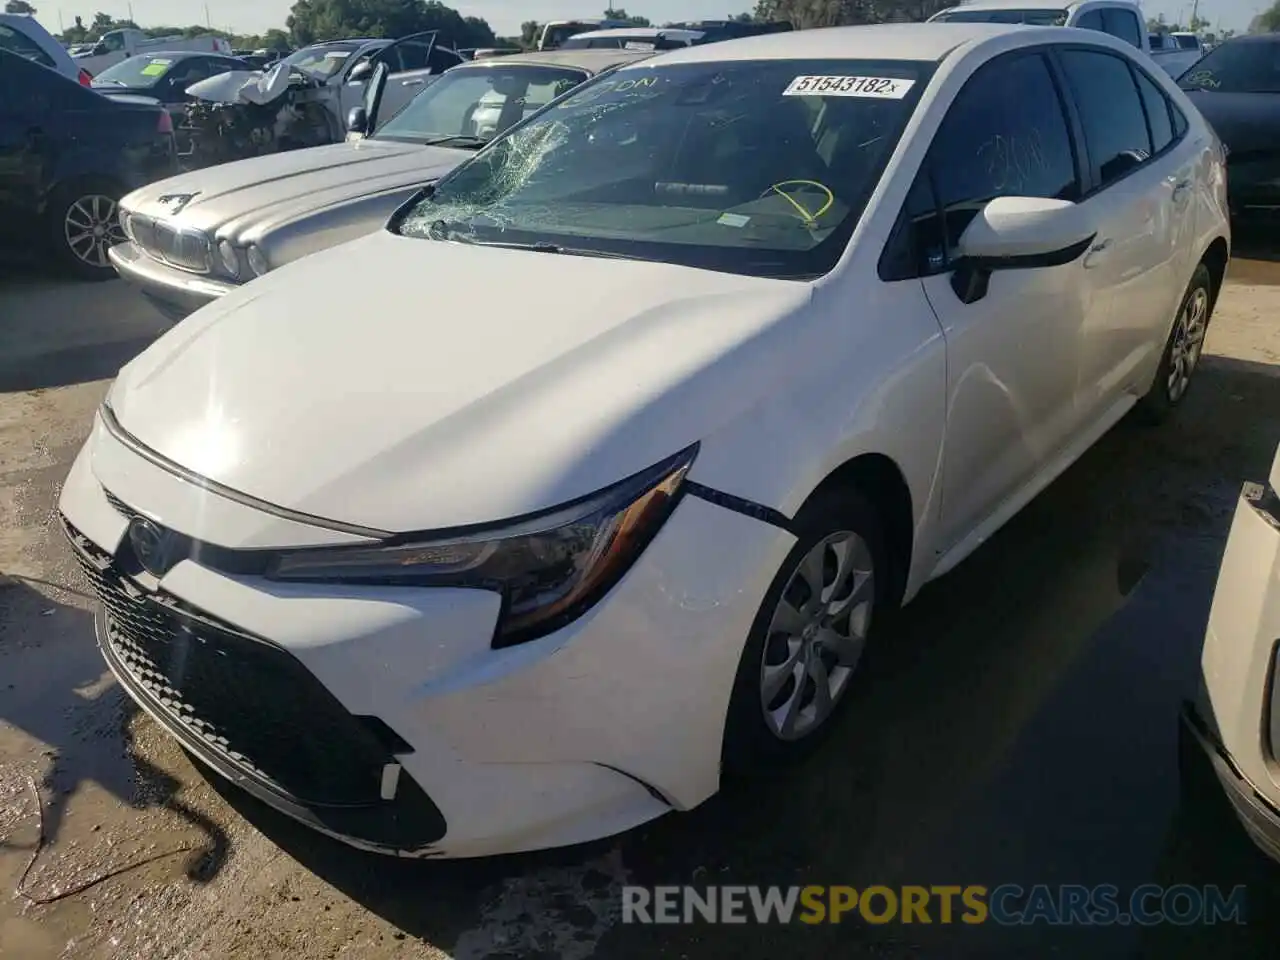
(589, 487)
(1235, 716)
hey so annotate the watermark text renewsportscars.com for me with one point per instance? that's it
(1006, 905)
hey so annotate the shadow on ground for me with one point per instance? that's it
(63, 699)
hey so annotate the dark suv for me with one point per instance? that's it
(67, 155)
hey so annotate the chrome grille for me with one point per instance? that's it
(188, 250)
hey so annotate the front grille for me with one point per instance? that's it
(185, 249)
(246, 700)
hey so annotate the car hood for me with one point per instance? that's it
(1245, 122)
(404, 384)
(231, 198)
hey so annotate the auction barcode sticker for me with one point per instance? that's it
(888, 88)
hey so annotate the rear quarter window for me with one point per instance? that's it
(19, 43)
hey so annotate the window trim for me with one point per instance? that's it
(1079, 162)
(1094, 183)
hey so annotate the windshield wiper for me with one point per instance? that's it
(544, 246)
(457, 140)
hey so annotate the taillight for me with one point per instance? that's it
(86, 78)
(166, 122)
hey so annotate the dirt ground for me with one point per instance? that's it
(1019, 725)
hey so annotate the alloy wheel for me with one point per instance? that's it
(817, 635)
(1188, 341)
(91, 227)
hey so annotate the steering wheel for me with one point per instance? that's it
(809, 218)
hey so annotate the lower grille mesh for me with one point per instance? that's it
(245, 699)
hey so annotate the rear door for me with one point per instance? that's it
(27, 145)
(1013, 353)
(1139, 189)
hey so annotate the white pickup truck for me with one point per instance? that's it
(118, 45)
(1120, 18)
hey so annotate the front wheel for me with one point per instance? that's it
(809, 635)
(1183, 349)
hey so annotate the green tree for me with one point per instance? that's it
(275, 39)
(617, 13)
(19, 6)
(314, 20)
(529, 31)
(1268, 21)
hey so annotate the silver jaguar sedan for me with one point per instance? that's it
(196, 236)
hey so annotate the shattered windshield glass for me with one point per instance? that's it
(755, 167)
(479, 102)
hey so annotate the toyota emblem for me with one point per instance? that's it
(150, 546)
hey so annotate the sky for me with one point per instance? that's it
(505, 16)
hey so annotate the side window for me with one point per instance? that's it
(24, 46)
(1090, 20)
(441, 60)
(916, 247)
(28, 91)
(189, 72)
(1004, 136)
(1123, 24)
(412, 56)
(1158, 116)
(114, 42)
(1115, 127)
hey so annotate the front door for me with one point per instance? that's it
(1013, 354)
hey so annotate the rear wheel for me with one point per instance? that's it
(809, 635)
(84, 224)
(1183, 349)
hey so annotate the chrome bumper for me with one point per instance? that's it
(174, 293)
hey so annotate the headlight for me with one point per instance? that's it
(258, 261)
(230, 259)
(549, 568)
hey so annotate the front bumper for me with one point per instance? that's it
(1236, 711)
(388, 721)
(175, 293)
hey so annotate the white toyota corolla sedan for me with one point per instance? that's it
(590, 486)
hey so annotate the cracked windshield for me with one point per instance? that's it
(751, 167)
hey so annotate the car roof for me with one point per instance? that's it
(641, 33)
(592, 61)
(183, 55)
(881, 41)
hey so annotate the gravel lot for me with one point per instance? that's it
(1019, 727)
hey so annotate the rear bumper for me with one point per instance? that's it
(174, 293)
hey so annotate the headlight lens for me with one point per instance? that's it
(549, 568)
(258, 261)
(230, 259)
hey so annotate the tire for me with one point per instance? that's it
(1182, 351)
(83, 221)
(758, 737)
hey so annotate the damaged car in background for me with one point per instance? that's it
(304, 99)
(194, 237)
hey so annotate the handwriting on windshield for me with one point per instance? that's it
(1013, 162)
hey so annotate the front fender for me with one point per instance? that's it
(871, 380)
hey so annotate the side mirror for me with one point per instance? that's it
(1018, 233)
(360, 71)
(358, 121)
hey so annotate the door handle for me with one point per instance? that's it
(1180, 190)
(412, 83)
(1096, 253)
